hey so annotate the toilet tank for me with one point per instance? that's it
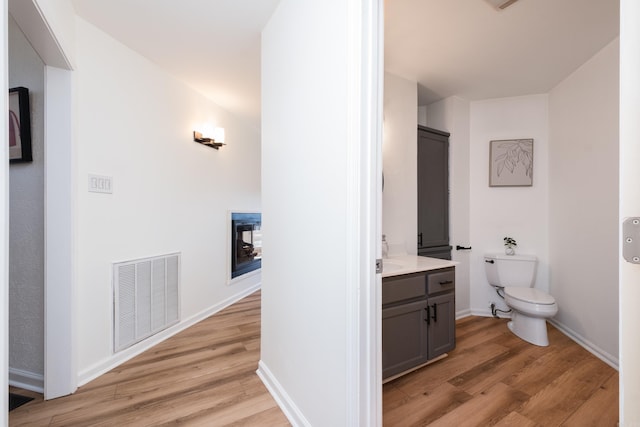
(510, 270)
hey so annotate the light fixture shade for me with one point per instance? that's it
(501, 4)
(218, 135)
(214, 137)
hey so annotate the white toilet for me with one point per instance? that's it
(515, 275)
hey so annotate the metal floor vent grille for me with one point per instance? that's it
(146, 298)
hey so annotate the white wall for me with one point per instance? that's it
(50, 28)
(423, 120)
(629, 207)
(26, 257)
(46, 23)
(452, 115)
(60, 18)
(518, 212)
(4, 226)
(60, 368)
(583, 201)
(314, 320)
(170, 194)
(399, 153)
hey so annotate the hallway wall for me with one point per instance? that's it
(26, 222)
(135, 123)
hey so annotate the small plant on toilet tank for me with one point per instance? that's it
(509, 245)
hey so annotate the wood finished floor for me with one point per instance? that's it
(494, 378)
(205, 376)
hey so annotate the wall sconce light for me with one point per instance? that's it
(501, 4)
(216, 140)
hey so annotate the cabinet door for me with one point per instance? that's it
(404, 337)
(433, 188)
(442, 324)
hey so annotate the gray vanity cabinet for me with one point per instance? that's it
(442, 311)
(418, 319)
(441, 334)
(404, 337)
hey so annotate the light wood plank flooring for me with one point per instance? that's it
(494, 378)
(205, 376)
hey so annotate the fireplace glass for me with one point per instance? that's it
(246, 243)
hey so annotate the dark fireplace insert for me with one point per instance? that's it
(246, 243)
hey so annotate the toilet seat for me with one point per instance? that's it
(531, 302)
(529, 295)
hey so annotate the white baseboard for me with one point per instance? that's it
(487, 313)
(117, 359)
(607, 358)
(463, 313)
(291, 411)
(26, 380)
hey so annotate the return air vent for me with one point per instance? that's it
(146, 298)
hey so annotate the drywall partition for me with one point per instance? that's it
(44, 35)
(60, 369)
(518, 212)
(50, 28)
(399, 152)
(26, 223)
(583, 205)
(629, 207)
(320, 312)
(60, 16)
(4, 225)
(170, 194)
(452, 115)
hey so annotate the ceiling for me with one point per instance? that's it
(212, 45)
(470, 49)
(450, 47)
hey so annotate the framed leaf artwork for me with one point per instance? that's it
(511, 163)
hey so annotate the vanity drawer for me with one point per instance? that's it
(400, 288)
(441, 281)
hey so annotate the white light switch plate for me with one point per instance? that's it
(100, 184)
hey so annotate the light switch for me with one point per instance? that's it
(100, 184)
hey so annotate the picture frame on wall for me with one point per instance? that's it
(511, 163)
(19, 125)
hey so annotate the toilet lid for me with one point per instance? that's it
(531, 295)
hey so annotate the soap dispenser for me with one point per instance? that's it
(385, 247)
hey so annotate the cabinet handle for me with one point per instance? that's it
(446, 282)
(419, 240)
(428, 319)
(435, 312)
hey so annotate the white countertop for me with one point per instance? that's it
(407, 264)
